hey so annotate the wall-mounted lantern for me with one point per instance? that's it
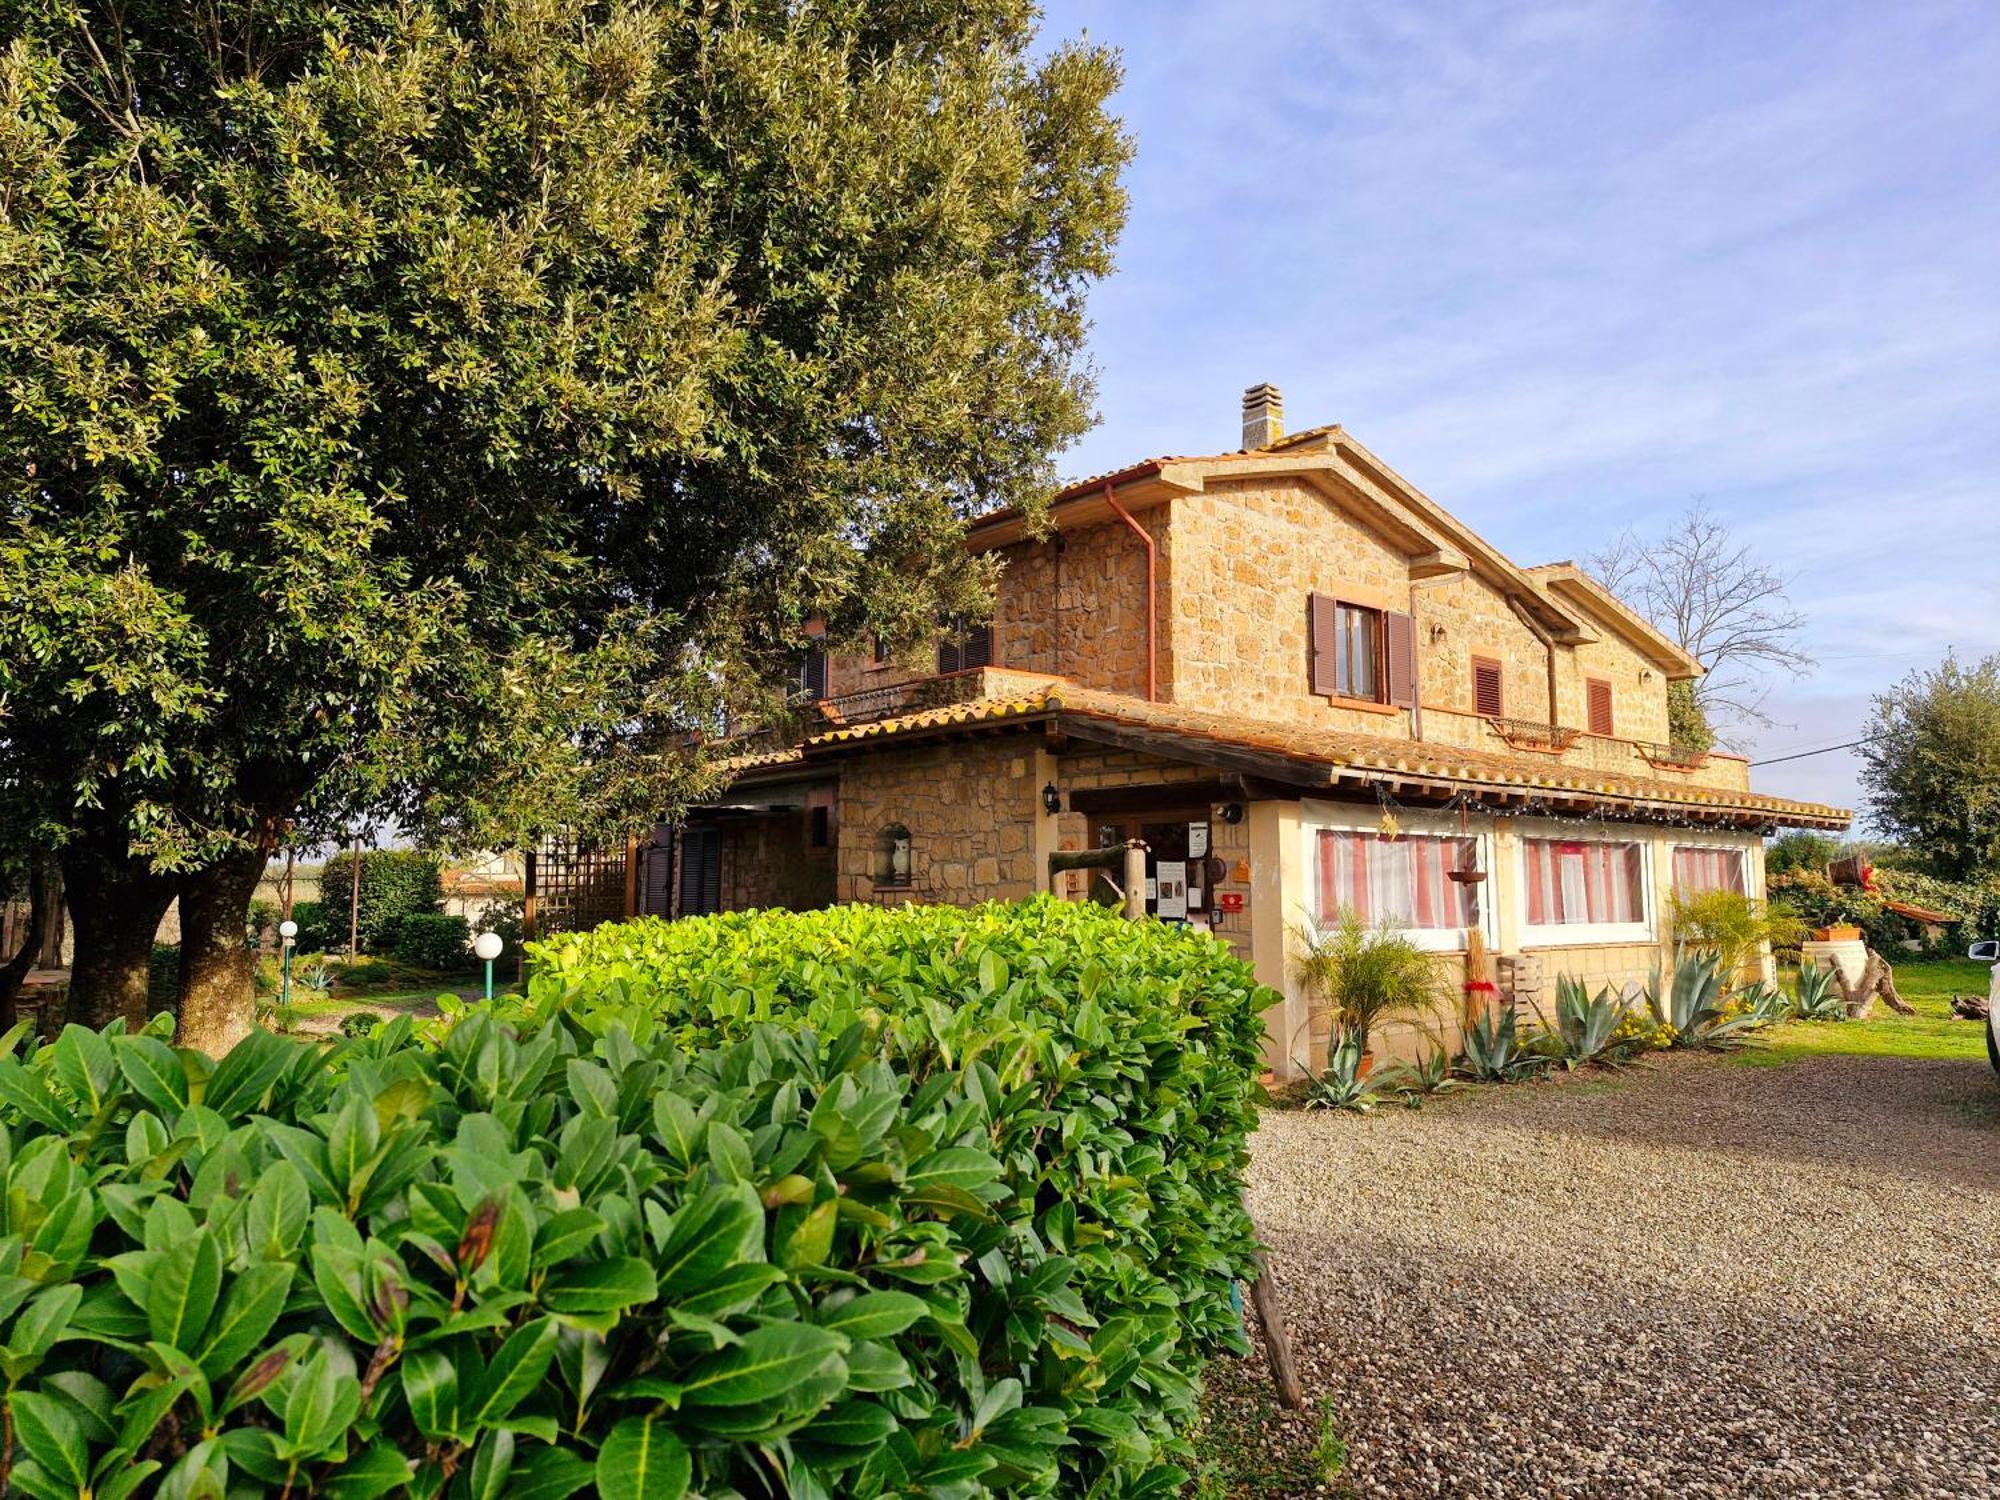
(1051, 799)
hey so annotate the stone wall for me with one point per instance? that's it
(970, 807)
(768, 860)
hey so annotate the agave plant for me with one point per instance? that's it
(1817, 996)
(1765, 1003)
(1430, 1073)
(1493, 1050)
(1342, 1084)
(1694, 1011)
(1589, 1028)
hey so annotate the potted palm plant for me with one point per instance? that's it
(1359, 975)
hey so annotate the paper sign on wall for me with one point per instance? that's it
(1173, 894)
(1197, 840)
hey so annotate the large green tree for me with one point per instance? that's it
(429, 408)
(1932, 766)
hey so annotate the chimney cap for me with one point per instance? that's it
(1263, 416)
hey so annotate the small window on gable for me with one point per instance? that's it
(1487, 699)
(1598, 692)
(964, 646)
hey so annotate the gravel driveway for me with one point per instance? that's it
(1697, 1278)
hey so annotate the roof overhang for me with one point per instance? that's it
(1578, 589)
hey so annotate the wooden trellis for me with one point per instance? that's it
(576, 886)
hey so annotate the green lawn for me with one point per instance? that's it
(1932, 1032)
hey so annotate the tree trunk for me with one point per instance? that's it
(115, 903)
(218, 1001)
(44, 919)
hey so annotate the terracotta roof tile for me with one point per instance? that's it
(1334, 752)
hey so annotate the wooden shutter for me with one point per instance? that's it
(1399, 650)
(1599, 693)
(701, 871)
(976, 647)
(656, 894)
(814, 678)
(1487, 699)
(1322, 631)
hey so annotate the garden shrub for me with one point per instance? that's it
(395, 883)
(1114, 1065)
(970, 1242)
(322, 926)
(432, 940)
(163, 978)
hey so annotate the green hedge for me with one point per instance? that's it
(433, 940)
(1119, 1058)
(971, 1241)
(395, 883)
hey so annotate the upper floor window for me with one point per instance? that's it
(964, 646)
(1361, 653)
(1698, 868)
(1488, 700)
(1597, 692)
(809, 675)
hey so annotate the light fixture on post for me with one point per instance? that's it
(487, 946)
(288, 936)
(1051, 799)
(1232, 812)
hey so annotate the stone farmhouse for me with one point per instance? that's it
(1306, 686)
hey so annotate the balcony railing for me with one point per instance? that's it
(1531, 734)
(1672, 757)
(886, 702)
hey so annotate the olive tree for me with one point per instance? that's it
(428, 409)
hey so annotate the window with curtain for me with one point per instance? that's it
(1357, 636)
(1406, 880)
(1574, 883)
(1698, 869)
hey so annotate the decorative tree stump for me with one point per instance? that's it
(1878, 981)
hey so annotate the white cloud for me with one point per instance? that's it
(1568, 266)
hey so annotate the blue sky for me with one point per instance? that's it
(1570, 266)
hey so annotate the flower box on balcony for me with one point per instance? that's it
(1674, 757)
(1527, 734)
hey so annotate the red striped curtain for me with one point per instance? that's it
(1698, 870)
(1571, 881)
(1406, 880)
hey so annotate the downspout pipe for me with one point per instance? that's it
(1548, 641)
(1152, 591)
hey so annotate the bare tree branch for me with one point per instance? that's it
(1722, 604)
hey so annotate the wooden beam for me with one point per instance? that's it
(1168, 745)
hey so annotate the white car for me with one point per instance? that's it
(1989, 953)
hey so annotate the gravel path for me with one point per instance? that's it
(1699, 1278)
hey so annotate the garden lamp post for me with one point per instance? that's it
(487, 946)
(288, 933)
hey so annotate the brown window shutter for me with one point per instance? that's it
(1487, 699)
(976, 647)
(1399, 637)
(1320, 612)
(1599, 692)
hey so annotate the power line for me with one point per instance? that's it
(1778, 760)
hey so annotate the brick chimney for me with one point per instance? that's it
(1263, 416)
